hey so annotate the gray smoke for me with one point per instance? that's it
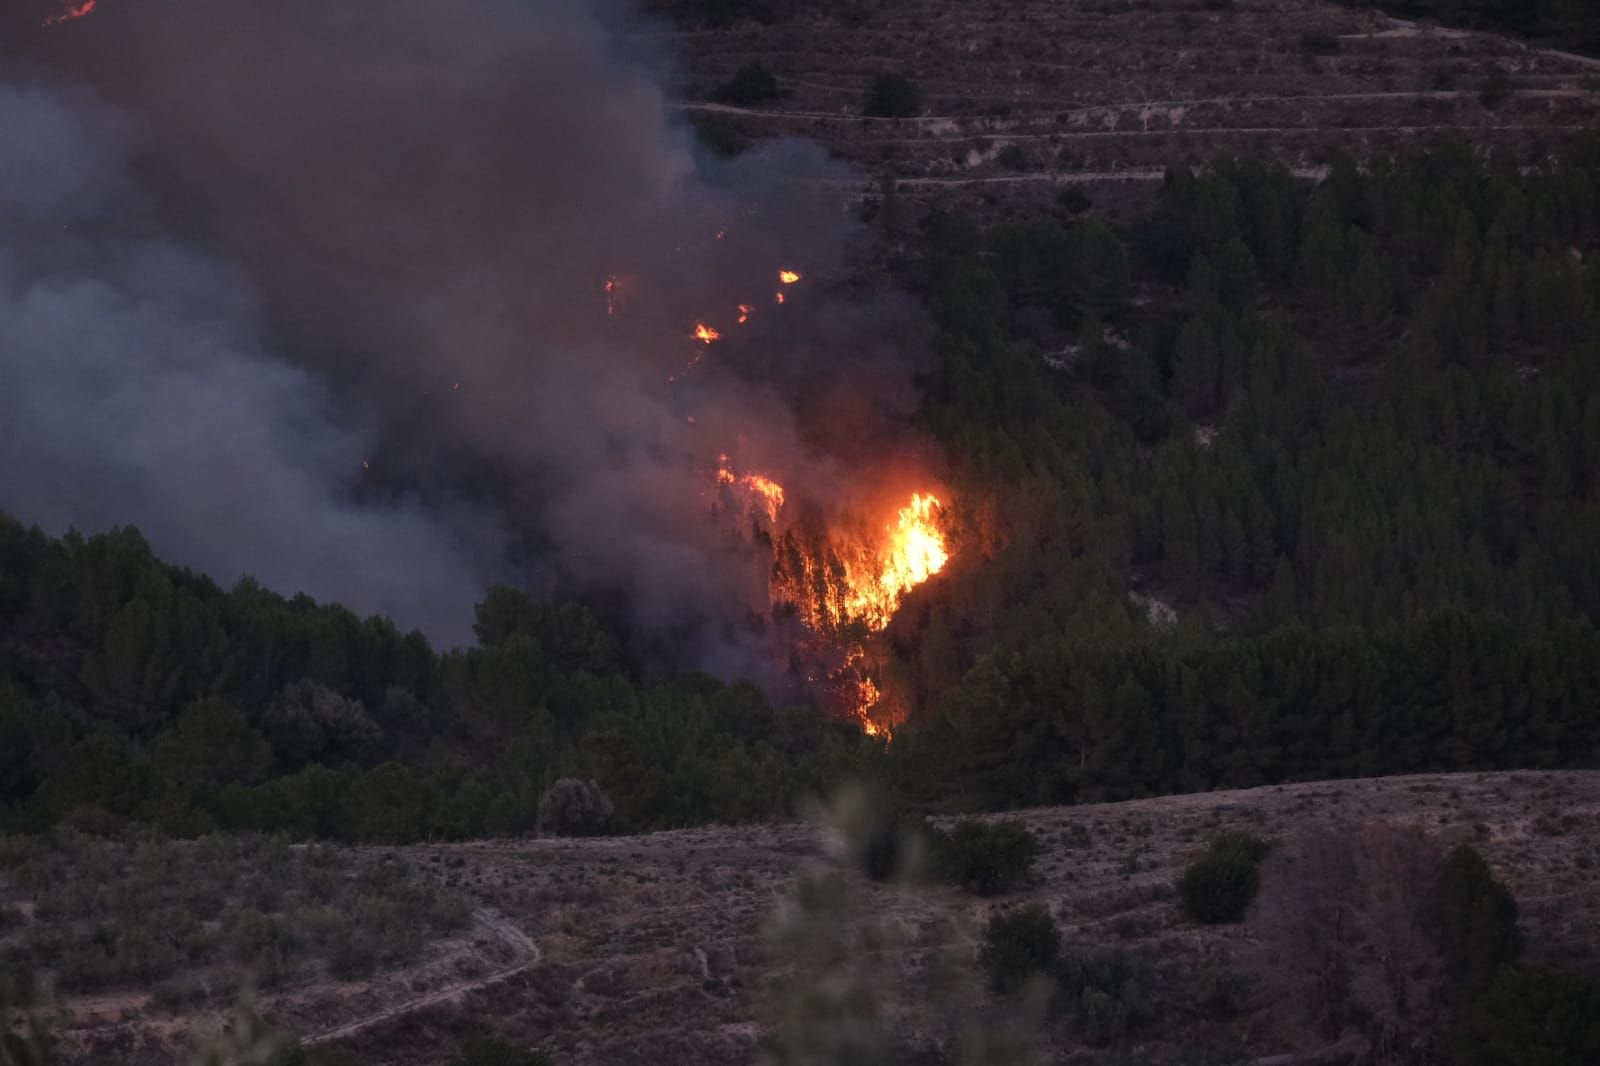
(281, 241)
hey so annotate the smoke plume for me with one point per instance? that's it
(318, 292)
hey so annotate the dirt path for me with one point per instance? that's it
(527, 955)
(1056, 117)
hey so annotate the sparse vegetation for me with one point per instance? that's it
(193, 919)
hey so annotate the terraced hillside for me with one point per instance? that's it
(1020, 98)
(657, 948)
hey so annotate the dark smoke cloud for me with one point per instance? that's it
(136, 391)
(379, 231)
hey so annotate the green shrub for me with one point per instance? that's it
(987, 858)
(1223, 993)
(487, 1051)
(1220, 886)
(1478, 921)
(1320, 44)
(1531, 1016)
(1497, 89)
(893, 838)
(892, 96)
(1238, 842)
(1019, 945)
(573, 808)
(1107, 992)
(750, 85)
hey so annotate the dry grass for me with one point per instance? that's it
(652, 948)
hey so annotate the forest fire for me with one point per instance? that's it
(76, 11)
(838, 570)
(855, 579)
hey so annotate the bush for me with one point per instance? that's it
(1497, 89)
(892, 96)
(1221, 885)
(1320, 44)
(1478, 921)
(1223, 993)
(1532, 1016)
(750, 85)
(892, 840)
(718, 134)
(574, 808)
(1014, 157)
(1107, 992)
(487, 1051)
(1019, 945)
(987, 858)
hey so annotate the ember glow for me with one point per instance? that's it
(77, 11)
(744, 313)
(779, 296)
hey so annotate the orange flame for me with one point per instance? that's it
(760, 493)
(788, 277)
(77, 11)
(705, 334)
(860, 580)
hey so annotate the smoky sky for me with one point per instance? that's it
(316, 292)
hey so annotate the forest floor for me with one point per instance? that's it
(1023, 97)
(656, 949)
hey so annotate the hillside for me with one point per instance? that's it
(652, 949)
(1020, 99)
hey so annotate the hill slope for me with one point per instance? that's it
(651, 949)
(1019, 99)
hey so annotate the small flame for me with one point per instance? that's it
(788, 277)
(76, 11)
(760, 493)
(744, 313)
(721, 233)
(705, 334)
(779, 296)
